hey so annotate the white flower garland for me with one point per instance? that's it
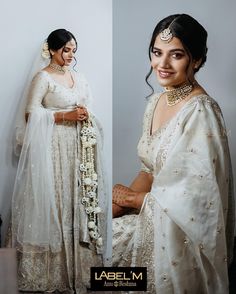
(89, 180)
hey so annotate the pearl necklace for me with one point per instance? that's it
(174, 96)
(58, 68)
(89, 180)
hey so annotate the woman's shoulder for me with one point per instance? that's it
(205, 101)
(41, 76)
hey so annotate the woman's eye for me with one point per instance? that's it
(177, 55)
(156, 53)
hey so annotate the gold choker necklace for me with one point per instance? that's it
(174, 96)
(58, 68)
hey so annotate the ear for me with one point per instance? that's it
(197, 63)
(52, 52)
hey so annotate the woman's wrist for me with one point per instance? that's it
(60, 117)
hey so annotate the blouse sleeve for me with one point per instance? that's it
(37, 91)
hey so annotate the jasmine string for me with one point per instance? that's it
(89, 180)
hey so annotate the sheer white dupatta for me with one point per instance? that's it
(35, 224)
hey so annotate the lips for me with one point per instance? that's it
(165, 74)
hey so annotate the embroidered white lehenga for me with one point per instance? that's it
(181, 231)
(49, 223)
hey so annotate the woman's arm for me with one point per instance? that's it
(142, 183)
(126, 198)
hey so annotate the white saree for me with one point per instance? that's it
(49, 222)
(184, 231)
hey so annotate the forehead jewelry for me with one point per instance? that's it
(166, 35)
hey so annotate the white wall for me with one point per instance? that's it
(23, 26)
(133, 23)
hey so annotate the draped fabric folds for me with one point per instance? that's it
(184, 232)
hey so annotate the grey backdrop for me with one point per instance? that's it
(133, 23)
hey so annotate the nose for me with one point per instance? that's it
(161, 61)
(71, 54)
(164, 61)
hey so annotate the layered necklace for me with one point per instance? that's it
(176, 95)
(58, 68)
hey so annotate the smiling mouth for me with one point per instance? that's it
(164, 74)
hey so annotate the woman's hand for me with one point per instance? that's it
(125, 197)
(80, 113)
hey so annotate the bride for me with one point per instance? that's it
(177, 217)
(59, 206)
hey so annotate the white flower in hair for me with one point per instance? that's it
(45, 51)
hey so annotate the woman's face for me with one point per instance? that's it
(64, 55)
(170, 62)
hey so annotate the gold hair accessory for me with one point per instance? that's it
(58, 68)
(166, 35)
(176, 95)
(45, 51)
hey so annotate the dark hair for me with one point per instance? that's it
(58, 39)
(190, 32)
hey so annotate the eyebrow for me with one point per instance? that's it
(172, 50)
(70, 47)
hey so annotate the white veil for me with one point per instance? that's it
(39, 63)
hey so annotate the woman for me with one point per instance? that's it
(59, 206)
(177, 215)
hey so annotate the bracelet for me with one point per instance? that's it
(63, 113)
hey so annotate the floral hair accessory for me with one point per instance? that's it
(45, 51)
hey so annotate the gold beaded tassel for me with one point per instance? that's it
(89, 180)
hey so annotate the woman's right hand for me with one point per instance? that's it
(80, 113)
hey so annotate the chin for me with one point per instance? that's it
(165, 83)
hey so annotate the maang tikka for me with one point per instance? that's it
(166, 35)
